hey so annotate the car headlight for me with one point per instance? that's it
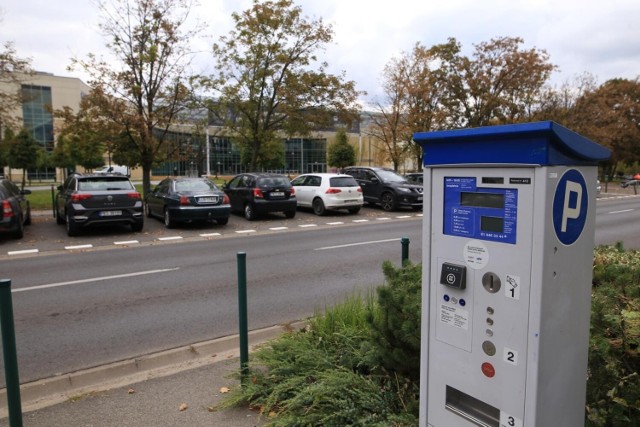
(404, 190)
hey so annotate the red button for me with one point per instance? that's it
(488, 369)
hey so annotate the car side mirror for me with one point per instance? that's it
(375, 180)
(25, 192)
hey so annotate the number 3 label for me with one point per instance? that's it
(507, 420)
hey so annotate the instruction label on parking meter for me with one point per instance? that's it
(479, 212)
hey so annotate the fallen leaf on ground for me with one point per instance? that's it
(225, 389)
(131, 391)
(183, 407)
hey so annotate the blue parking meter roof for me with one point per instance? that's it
(540, 143)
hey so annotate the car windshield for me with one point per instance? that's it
(343, 181)
(102, 184)
(195, 185)
(274, 181)
(390, 176)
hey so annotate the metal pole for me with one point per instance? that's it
(10, 354)
(53, 201)
(242, 311)
(405, 249)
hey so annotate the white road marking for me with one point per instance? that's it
(383, 218)
(245, 231)
(356, 244)
(93, 279)
(170, 238)
(622, 211)
(23, 252)
(403, 216)
(307, 225)
(210, 234)
(360, 220)
(278, 228)
(78, 247)
(126, 242)
(335, 223)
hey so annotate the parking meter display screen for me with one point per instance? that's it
(479, 212)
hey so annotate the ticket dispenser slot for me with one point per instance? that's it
(508, 237)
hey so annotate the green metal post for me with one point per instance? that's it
(53, 201)
(10, 354)
(242, 311)
(405, 249)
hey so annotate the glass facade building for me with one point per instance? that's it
(38, 120)
(301, 155)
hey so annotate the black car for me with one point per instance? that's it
(84, 200)
(16, 211)
(178, 199)
(259, 193)
(387, 188)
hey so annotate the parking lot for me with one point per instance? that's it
(44, 235)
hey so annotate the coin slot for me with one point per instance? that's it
(491, 282)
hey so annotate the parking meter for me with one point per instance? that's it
(508, 239)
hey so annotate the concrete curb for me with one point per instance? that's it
(50, 391)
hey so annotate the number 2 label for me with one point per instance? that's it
(510, 356)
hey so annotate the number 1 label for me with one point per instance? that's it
(512, 288)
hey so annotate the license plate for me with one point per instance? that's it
(110, 213)
(208, 200)
(277, 194)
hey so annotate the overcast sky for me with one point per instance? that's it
(595, 36)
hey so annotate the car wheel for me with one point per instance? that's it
(290, 214)
(222, 221)
(318, 207)
(168, 221)
(136, 227)
(354, 210)
(72, 227)
(19, 233)
(249, 212)
(387, 201)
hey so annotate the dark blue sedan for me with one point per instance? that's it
(178, 199)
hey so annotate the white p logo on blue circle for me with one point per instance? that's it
(570, 206)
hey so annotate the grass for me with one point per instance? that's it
(43, 199)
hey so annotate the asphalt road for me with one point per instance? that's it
(112, 294)
(77, 308)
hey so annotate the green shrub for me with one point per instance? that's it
(326, 375)
(613, 389)
(396, 320)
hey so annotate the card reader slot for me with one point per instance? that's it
(472, 409)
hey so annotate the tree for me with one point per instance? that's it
(23, 153)
(500, 83)
(610, 116)
(341, 153)
(415, 86)
(269, 83)
(143, 89)
(388, 123)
